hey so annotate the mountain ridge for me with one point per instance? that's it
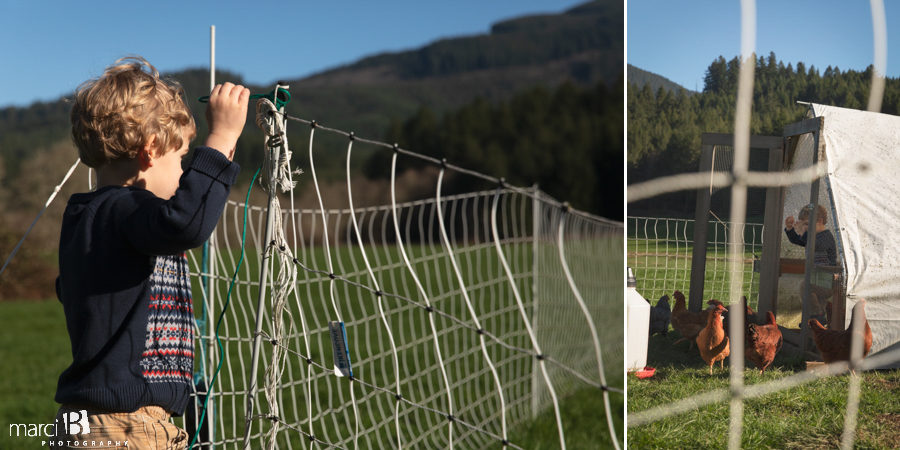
(641, 77)
(571, 32)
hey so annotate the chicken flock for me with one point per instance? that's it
(708, 329)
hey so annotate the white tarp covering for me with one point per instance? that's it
(862, 153)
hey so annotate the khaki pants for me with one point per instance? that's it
(148, 427)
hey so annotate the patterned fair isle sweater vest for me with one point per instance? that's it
(168, 355)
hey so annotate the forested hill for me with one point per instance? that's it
(568, 140)
(664, 127)
(640, 78)
(583, 45)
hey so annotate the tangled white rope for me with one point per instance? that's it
(276, 178)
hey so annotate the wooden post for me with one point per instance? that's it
(701, 216)
(838, 305)
(771, 254)
(810, 249)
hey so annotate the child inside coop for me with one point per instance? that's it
(820, 283)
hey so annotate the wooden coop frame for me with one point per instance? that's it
(769, 259)
(792, 133)
(781, 150)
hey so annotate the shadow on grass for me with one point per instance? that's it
(665, 355)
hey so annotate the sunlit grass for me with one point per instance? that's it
(809, 416)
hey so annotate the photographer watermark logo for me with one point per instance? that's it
(71, 429)
(72, 422)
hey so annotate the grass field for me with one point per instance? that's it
(471, 383)
(34, 348)
(311, 398)
(662, 266)
(805, 417)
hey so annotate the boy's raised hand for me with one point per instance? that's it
(789, 223)
(226, 115)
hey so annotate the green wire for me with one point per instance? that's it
(222, 314)
(283, 98)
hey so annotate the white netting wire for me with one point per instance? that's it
(464, 317)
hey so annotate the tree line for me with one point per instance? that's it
(568, 140)
(664, 127)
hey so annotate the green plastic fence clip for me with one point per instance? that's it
(282, 99)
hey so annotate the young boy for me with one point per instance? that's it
(825, 253)
(123, 276)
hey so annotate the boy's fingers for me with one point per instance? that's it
(225, 89)
(234, 93)
(231, 92)
(237, 91)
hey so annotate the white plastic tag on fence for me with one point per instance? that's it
(341, 349)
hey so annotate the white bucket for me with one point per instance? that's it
(637, 314)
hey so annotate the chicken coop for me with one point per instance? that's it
(860, 152)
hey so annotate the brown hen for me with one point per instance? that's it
(763, 342)
(686, 322)
(835, 345)
(712, 340)
(749, 315)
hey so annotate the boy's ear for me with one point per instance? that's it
(150, 147)
(145, 160)
(148, 153)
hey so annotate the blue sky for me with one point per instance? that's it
(678, 39)
(48, 47)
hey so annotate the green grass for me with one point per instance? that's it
(661, 267)
(809, 416)
(584, 422)
(409, 323)
(34, 348)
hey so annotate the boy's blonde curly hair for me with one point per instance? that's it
(821, 213)
(115, 116)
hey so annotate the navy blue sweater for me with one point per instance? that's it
(124, 285)
(826, 249)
